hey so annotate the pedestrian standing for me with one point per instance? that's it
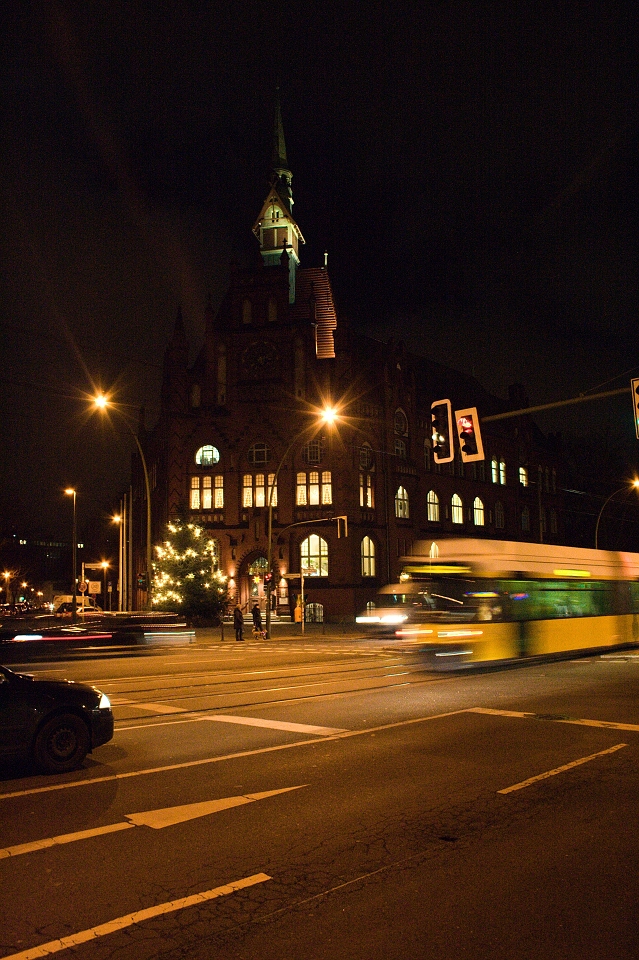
(257, 617)
(238, 622)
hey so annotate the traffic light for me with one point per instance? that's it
(442, 431)
(268, 579)
(634, 386)
(469, 434)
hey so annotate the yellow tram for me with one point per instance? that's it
(469, 601)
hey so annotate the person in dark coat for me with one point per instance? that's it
(257, 617)
(238, 622)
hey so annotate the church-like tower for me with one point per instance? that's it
(275, 227)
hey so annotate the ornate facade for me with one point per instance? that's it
(243, 420)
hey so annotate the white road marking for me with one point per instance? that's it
(155, 707)
(562, 769)
(157, 819)
(601, 724)
(187, 764)
(130, 919)
(277, 724)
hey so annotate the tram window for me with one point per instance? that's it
(555, 599)
(634, 597)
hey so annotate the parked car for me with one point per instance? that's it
(53, 722)
(66, 609)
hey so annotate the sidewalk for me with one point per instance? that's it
(284, 630)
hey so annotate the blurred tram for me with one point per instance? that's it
(483, 601)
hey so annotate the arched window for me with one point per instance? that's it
(500, 518)
(366, 457)
(457, 509)
(525, 520)
(401, 503)
(478, 512)
(494, 471)
(366, 491)
(314, 556)
(502, 472)
(368, 557)
(432, 502)
(400, 423)
(259, 453)
(207, 456)
(523, 476)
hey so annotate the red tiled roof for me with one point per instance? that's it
(314, 281)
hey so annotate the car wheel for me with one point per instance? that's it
(62, 743)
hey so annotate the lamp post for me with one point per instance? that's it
(633, 486)
(71, 492)
(105, 566)
(102, 402)
(327, 416)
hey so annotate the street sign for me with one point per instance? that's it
(95, 586)
(82, 586)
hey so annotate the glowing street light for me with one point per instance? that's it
(633, 486)
(71, 492)
(102, 403)
(326, 416)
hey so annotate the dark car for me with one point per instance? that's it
(53, 722)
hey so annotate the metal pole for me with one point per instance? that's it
(74, 602)
(129, 594)
(605, 504)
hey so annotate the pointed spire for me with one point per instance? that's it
(281, 176)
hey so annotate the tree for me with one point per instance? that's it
(185, 577)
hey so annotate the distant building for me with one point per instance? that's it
(243, 419)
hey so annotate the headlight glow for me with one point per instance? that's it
(105, 703)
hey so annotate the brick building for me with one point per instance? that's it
(244, 418)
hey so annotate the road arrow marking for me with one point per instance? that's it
(157, 819)
(120, 923)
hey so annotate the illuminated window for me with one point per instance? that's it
(368, 557)
(313, 488)
(401, 504)
(478, 512)
(260, 496)
(271, 483)
(366, 490)
(500, 518)
(195, 493)
(207, 456)
(259, 453)
(494, 471)
(523, 476)
(502, 472)
(327, 487)
(219, 493)
(247, 490)
(314, 556)
(207, 492)
(301, 498)
(457, 508)
(432, 502)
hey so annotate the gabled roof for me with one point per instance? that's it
(274, 196)
(314, 294)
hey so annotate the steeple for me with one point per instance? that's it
(275, 227)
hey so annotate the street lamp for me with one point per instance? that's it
(71, 492)
(634, 486)
(328, 416)
(102, 402)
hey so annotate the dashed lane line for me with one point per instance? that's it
(562, 769)
(131, 919)
(555, 718)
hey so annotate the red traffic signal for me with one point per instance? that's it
(470, 442)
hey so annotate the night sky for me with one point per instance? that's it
(471, 169)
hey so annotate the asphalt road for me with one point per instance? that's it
(330, 798)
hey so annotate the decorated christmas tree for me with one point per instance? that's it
(185, 574)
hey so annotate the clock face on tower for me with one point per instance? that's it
(259, 358)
